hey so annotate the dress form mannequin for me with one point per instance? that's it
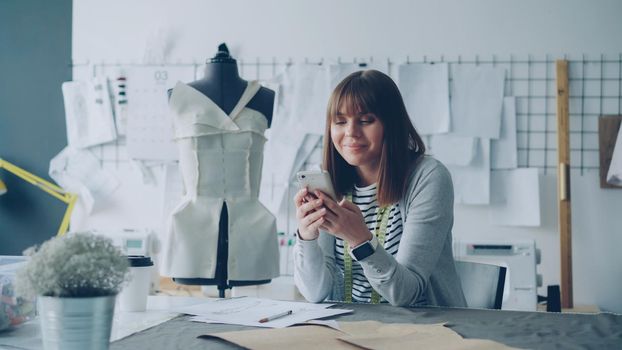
(223, 85)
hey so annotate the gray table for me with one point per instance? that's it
(530, 330)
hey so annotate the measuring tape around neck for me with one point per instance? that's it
(382, 215)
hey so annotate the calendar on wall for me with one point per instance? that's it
(149, 127)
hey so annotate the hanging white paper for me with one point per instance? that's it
(144, 169)
(338, 71)
(515, 197)
(149, 126)
(425, 89)
(503, 151)
(476, 101)
(285, 160)
(289, 142)
(88, 113)
(309, 99)
(472, 182)
(452, 150)
(283, 141)
(79, 171)
(614, 175)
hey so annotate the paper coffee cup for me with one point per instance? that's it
(133, 296)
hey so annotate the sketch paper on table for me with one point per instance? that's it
(328, 323)
(88, 113)
(614, 175)
(298, 317)
(503, 152)
(338, 71)
(515, 197)
(476, 101)
(79, 171)
(127, 323)
(425, 89)
(453, 150)
(472, 183)
(248, 311)
(149, 126)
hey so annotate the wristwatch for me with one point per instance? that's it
(364, 249)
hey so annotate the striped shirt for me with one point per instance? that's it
(365, 199)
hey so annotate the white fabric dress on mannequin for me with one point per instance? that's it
(220, 159)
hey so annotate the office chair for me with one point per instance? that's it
(482, 284)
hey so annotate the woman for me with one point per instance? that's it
(389, 238)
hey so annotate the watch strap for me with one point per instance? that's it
(364, 249)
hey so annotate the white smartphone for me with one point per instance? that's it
(316, 180)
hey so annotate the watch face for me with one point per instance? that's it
(363, 251)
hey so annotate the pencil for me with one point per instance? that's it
(274, 317)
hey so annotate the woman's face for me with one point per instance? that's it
(358, 138)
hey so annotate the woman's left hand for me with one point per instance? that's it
(344, 220)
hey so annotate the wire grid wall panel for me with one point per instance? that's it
(595, 90)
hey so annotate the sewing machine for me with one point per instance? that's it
(519, 257)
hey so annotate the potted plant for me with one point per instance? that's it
(75, 279)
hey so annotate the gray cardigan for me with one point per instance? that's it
(423, 270)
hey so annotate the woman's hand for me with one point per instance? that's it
(344, 220)
(310, 214)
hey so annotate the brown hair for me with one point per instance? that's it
(371, 91)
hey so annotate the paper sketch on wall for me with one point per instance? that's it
(149, 127)
(79, 171)
(280, 168)
(425, 89)
(472, 182)
(451, 149)
(338, 71)
(88, 113)
(503, 152)
(477, 101)
(309, 99)
(614, 175)
(295, 131)
(515, 197)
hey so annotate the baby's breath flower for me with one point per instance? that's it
(78, 265)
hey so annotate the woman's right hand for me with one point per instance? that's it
(310, 213)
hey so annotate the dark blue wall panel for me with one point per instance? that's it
(35, 57)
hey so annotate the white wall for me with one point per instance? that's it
(116, 30)
(119, 31)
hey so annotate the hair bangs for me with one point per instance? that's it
(352, 98)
